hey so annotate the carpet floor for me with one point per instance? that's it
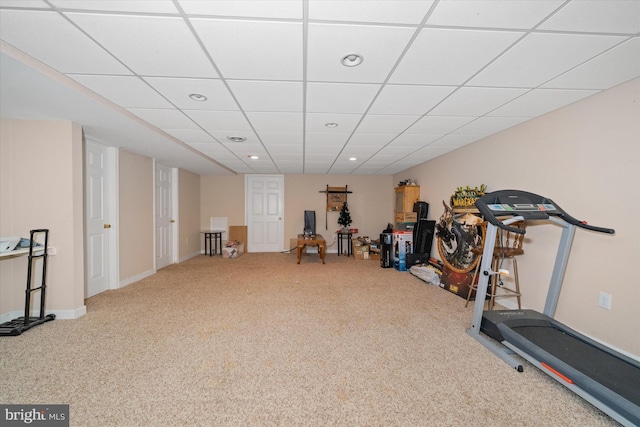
(262, 341)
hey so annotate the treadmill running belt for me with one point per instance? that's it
(613, 373)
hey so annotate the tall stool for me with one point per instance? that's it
(508, 246)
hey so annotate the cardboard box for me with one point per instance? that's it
(233, 251)
(360, 249)
(238, 233)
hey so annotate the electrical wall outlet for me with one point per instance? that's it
(604, 300)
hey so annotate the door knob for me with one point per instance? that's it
(173, 220)
(107, 226)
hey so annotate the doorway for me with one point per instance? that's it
(101, 237)
(165, 215)
(264, 201)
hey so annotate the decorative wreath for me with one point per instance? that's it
(459, 240)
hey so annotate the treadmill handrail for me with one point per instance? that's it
(491, 198)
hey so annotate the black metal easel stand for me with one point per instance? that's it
(19, 325)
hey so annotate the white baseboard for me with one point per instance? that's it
(135, 278)
(191, 255)
(60, 314)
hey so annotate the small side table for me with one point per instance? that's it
(210, 247)
(347, 236)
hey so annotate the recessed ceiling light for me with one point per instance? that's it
(331, 125)
(353, 159)
(236, 138)
(253, 157)
(197, 97)
(352, 60)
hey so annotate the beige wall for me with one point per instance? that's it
(41, 186)
(188, 214)
(585, 157)
(370, 204)
(135, 215)
(221, 196)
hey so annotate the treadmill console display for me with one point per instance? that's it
(527, 205)
(522, 207)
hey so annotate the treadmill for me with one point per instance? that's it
(603, 377)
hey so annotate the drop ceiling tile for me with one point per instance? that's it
(321, 155)
(618, 65)
(215, 150)
(247, 150)
(278, 121)
(222, 134)
(191, 135)
(521, 14)
(476, 101)
(285, 151)
(539, 58)
(541, 101)
(339, 97)
(438, 124)
(316, 122)
(40, 35)
(603, 16)
(289, 162)
(409, 100)
(326, 139)
(392, 12)
(455, 140)
(253, 49)
(177, 91)
(164, 119)
(291, 139)
(371, 139)
(217, 120)
(450, 56)
(363, 170)
(316, 170)
(359, 151)
(237, 166)
(267, 96)
(126, 91)
(396, 151)
(149, 45)
(374, 123)
(35, 4)
(284, 9)
(414, 140)
(430, 152)
(288, 169)
(380, 48)
(156, 6)
(485, 126)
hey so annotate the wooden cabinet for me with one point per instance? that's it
(406, 196)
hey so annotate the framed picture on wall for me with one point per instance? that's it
(335, 200)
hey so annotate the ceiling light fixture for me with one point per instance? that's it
(353, 159)
(253, 157)
(352, 60)
(331, 125)
(236, 138)
(197, 97)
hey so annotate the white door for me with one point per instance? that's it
(164, 216)
(97, 218)
(265, 213)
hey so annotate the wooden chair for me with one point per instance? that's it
(508, 247)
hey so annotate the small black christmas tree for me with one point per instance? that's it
(345, 216)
